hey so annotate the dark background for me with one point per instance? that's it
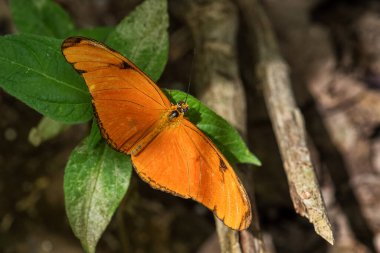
(333, 52)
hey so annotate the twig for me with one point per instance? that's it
(287, 120)
(213, 24)
(228, 239)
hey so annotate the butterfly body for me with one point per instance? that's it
(169, 119)
(167, 150)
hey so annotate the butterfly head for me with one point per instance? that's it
(182, 107)
(179, 109)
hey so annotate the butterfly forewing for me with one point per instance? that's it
(127, 103)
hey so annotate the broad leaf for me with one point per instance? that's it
(42, 17)
(96, 33)
(96, 179)
(143, 37)
(225, 137)
(34, 70)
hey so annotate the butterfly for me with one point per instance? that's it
(167, 151)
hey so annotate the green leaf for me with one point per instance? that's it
(33, 69)
(143, 37)
(224, 136)
(96, 33)
(95, 181)
(46, 130)
(95, 136)
(42, 17)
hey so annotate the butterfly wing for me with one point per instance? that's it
(183, 161)
(128, 104)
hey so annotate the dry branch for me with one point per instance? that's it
(213, 24)
(287, 120)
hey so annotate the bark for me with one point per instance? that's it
(287, 120)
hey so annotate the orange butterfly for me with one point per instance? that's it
(168, 151)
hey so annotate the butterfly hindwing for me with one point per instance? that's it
(183, 161)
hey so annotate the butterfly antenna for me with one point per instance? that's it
(190, 74)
